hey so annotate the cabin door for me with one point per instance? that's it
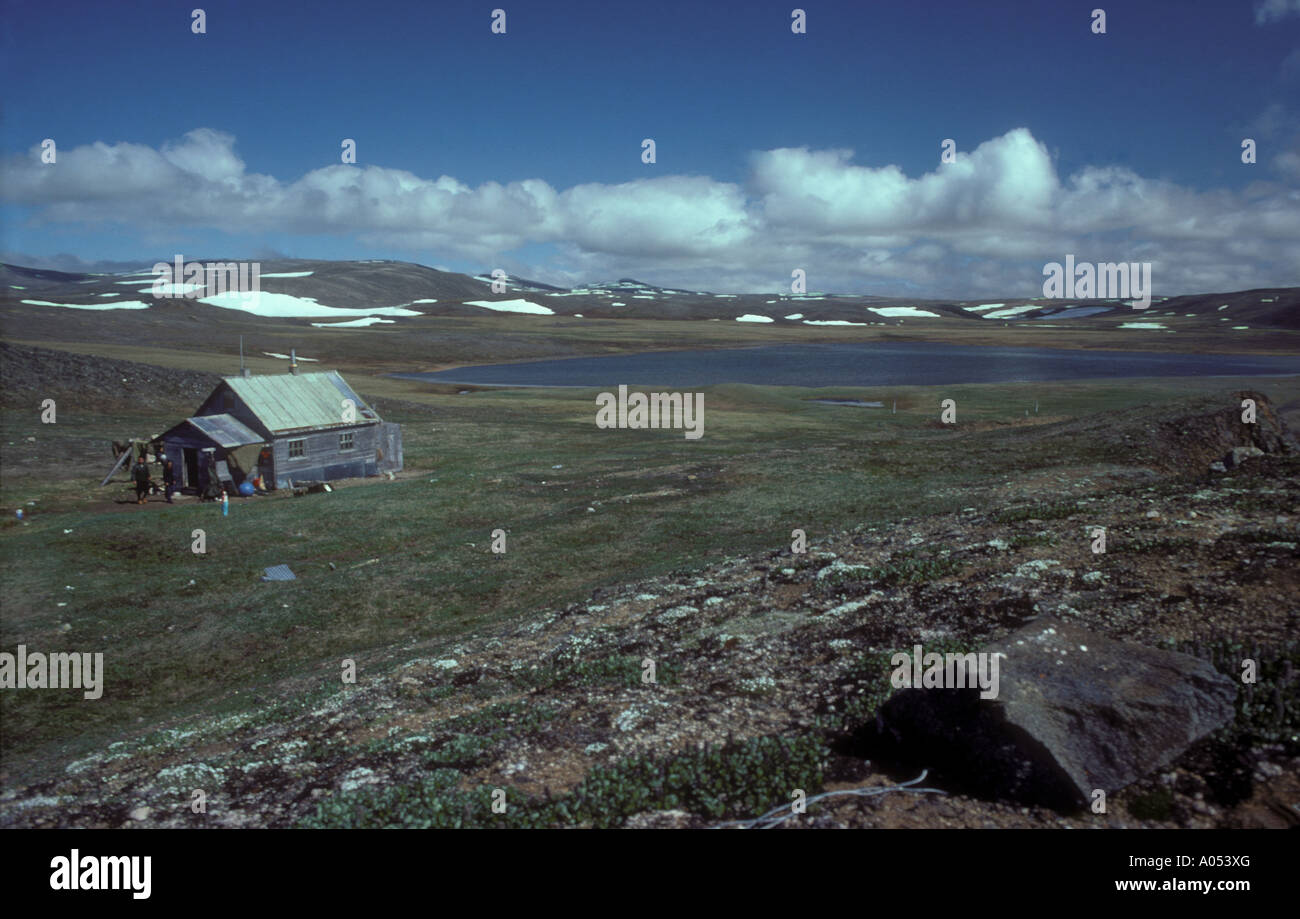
(266, 467)
(191, 467)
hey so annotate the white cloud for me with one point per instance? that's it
(1274, 10)
(982, 225)
(1009, 181)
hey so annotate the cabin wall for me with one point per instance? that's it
(322, 460)
(174, 448)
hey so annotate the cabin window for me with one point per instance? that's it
(345, 440)
(296, 448)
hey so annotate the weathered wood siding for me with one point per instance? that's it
(322, 460)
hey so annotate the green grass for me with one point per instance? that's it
(1156, 804)
(869, 677)
(1267, 710)
(734, 780)
(182, 633)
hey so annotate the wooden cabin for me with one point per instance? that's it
(277, 430)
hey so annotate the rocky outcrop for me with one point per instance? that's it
(1075, 712)
(1210, 434)
(1183, 438)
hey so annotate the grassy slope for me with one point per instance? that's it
(768, 462)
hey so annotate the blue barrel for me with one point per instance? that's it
(246, 489)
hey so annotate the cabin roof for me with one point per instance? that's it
(226, 430)
(223, 430)
(285, 403)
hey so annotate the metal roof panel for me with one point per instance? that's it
(292, 402)
(226, 430)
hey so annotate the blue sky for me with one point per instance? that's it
(774, 150)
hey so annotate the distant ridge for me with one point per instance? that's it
(382, 295)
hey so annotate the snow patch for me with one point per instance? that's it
(1010, 311)
(513, 306)
(122, 305)
(262, 303)
(352, 323)
(169, 290)
(910, 311)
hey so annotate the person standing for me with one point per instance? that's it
(140, 474)
(169, 479)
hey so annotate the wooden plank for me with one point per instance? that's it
(126, 455)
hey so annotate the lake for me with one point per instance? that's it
(864, 364)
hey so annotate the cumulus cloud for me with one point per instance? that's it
(1273, 10)
(1008, 181)
(983, 224)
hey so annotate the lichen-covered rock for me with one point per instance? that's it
(1075, 712)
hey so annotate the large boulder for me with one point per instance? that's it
(1238, 455)
(1075, 712)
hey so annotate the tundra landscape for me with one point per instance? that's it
(492, 419)
(524, 669)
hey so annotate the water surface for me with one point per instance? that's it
(860, 364)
